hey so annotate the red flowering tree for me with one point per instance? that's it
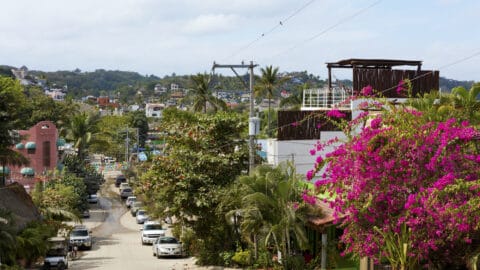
(409, 188)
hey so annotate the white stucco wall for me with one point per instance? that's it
(299, 151)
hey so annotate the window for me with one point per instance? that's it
(46, 154)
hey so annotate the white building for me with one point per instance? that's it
(154, 109)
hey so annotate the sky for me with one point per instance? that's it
(162, 37)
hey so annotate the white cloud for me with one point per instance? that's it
(211, 24)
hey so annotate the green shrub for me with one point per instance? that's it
(242, 258)
(227, 258)
(295, 262)
(264, 259)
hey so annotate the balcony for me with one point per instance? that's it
(323, 99)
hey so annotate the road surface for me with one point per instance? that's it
(116, 237)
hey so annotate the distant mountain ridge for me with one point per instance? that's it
(128, 83)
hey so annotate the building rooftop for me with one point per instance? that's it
(373, 63)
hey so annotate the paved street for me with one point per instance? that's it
(117, 239)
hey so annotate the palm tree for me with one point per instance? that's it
(269, 207)
(82, 130)
(202, 95)
(7, 236)
(266, 87)
(466, 101)
(435, 106)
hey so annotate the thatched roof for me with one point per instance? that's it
(14, 198)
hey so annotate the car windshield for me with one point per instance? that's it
(132, 199)
(141, 212)
(153, 227)
(56, 252)
(79, 233)
(167, 240)
(127, 190)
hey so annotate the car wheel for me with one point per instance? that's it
(61, 266)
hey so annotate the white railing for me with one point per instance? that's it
(319, 98)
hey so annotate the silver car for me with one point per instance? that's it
(126, 192)
(167, 246)
(141, 216)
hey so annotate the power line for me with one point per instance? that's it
(262, 35)
(328, 28)
(477, 53)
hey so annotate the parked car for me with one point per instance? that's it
(126, 192)
(167, 246)
(134, 208)
(130, 200)
(86, 213)
(150, 231)
(123, 186)
(92, 198)
(57, 254)
(141, 216)
(81, 237)
(120, 179)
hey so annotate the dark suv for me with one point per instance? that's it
(120, 179)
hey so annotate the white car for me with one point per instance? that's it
(81, 237)
(92, 198)
(141, 216)
(150, 231)
(167, 246)
(130, 200)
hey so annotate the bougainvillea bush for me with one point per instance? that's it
(407, 189)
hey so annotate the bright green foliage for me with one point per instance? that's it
(41, 107)
(91, 178)
(266, 86)
(138, 119)
(111, 135)
(270, 208)
(7, 237)
(82, 131)
(203, 154)
(202, 94)
(32, 241)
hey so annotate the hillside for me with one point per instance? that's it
(126, 84)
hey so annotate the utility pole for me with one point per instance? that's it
(252, 130)
(126, 147)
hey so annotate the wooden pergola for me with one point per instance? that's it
(355, 63)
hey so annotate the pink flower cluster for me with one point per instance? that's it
(334, 113)
(402, 171)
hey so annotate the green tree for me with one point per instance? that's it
(266, 86)
(32, 242)
(202, 95)
(139, 120)
(82, 130)
(271, 206)
(41, 107)
(11, 110)
(203, 154)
